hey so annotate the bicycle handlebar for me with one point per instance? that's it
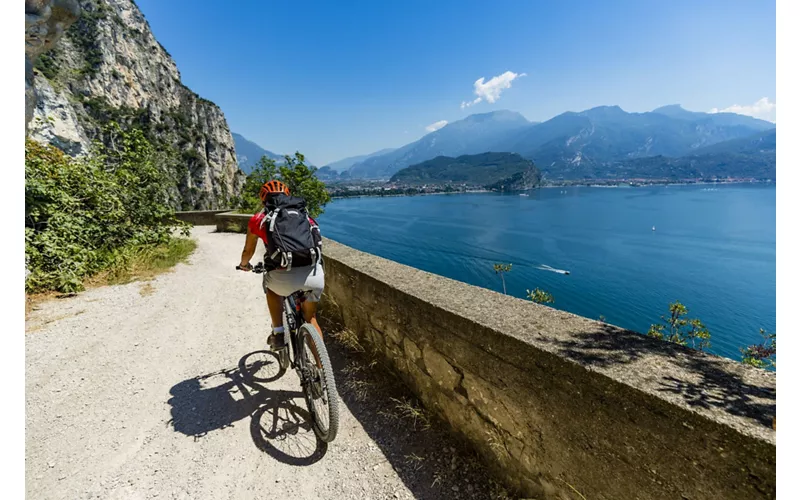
(258, 268)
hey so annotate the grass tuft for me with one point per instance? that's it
(408, 409)
(348, 339)
(134, 264)
(146, 290)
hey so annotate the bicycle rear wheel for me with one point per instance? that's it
(319, 386)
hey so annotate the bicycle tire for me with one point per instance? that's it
(309, 334)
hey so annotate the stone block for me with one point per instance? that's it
(411, 350)
(439, 369)
(393, 333)
(487, 403)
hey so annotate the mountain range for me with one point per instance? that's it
(594, 143)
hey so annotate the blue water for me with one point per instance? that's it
(714, 250)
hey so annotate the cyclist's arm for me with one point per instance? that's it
(250, 244)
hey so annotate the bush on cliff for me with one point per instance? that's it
(94, 213)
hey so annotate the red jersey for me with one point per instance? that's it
(257, 226)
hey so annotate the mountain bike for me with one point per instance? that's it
(305, 351)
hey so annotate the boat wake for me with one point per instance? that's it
(545, 267)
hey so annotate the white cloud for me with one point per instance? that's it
(433, 127)
(490, 91)
(762, 108)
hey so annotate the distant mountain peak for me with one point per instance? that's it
(614, 107)
(500, 114)
(604, 111)
(668, 108)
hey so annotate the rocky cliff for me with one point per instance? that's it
(45, 22)
(108, 67)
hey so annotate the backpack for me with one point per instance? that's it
(293, 240)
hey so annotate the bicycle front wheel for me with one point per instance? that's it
(319, 386)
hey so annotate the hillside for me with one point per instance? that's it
(108, 67)
(749, 157)
(248, 153)
(762, 142)
(345, 163)
(726, 119)
(475, 170)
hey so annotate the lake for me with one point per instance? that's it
(713, 249)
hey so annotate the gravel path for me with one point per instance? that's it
(146, 390)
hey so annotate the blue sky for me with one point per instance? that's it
(337, 79)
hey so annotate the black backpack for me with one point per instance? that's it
(292, 239)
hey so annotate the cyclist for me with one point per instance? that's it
(279, 283)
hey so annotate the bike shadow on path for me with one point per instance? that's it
(279, 424)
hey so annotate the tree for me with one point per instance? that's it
(761, 355)
(265, 170)
(297, 176)
(501, 269)
(680, 330)
(540, 296)
(301, 181)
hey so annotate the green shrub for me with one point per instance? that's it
(680, 330)
(82, 215)
(47, 64)
(540, 296)
(761, 355)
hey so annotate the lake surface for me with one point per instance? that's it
(713, 249)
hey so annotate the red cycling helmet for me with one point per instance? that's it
(272, 187)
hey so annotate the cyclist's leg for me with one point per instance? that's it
(275, 306)
(314, 285)
(310, 314)
(274, 301)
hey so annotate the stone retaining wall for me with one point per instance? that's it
(200, 217)
(561, 406)
(231, 222)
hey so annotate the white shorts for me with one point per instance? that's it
(284, 283)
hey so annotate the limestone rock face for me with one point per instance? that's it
(107, 67)
(45, 22)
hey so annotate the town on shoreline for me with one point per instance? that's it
(378, 188)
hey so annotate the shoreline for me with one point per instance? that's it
(627, 184)
(621, 185)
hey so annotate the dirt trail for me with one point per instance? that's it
(144, 390)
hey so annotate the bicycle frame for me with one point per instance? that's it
(294, 318)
